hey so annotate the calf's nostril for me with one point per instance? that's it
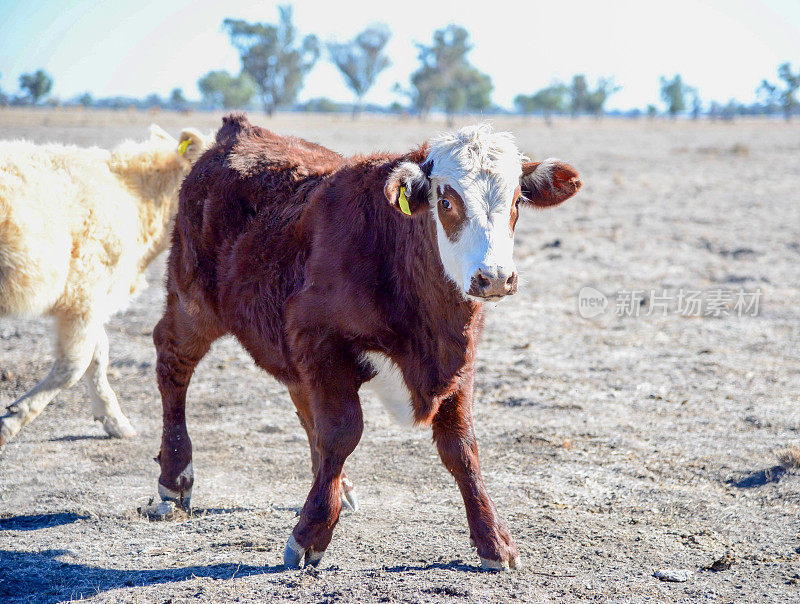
(510, 284)
(483, 281)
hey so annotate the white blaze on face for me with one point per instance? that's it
(474, 182)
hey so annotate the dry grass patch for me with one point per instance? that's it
(789, 457)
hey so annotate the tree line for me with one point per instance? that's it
(275, 60)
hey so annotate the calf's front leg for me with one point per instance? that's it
(454, 434)
(302, 402)
(181, 340)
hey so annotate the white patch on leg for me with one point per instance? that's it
(293, 554)
(166, 493)
(513, 564)
(390, 388)
(188, 472)
(313, 558)
(350, 500)
(488, 564)
(293, 546)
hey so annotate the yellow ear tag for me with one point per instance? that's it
(184, 146)
(402, 200)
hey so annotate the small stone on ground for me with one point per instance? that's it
(673, 575)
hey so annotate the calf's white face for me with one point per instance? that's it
(474, 181)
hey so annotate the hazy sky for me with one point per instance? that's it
(119, 47)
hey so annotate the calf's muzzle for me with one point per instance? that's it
(492, 283)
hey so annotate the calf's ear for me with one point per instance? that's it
(548, 183)
(192, 143)
(407, 188)
(157, 132)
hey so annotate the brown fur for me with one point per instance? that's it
(563, 183)
(295, 251)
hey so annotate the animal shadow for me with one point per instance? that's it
(41, 577)
(35, 522)
(77, 437)
(760, 478)
(458, 565)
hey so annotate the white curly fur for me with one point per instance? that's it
(78, 227)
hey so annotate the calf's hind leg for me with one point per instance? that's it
(75, 342)
(302, 403)
(181, 342)
(335, 412)
(105, 406)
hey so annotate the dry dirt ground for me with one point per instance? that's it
(615, 446)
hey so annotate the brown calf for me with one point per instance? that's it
(308, 259)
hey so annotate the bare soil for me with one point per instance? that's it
(614, 447)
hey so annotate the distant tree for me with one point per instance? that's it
(769, 95)
(37, 85)
(320, 105)
(753, 109)
(221, 89)
(526, 104)
(424, 91)
(578, 95)
(176, 100)
(549, 100)
(361, 60)
(582, 99)
(153, 101)
(86, 99)
(786, 97)
(652, 111)
(477, 91)
(731, 110)
(446, 78)
(273, 58)
(3, 98)
(673, 93)
(792, 83)
(596, 99)
(697, 104)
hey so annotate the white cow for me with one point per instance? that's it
(78, 227)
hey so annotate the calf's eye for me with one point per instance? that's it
(446, 203)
